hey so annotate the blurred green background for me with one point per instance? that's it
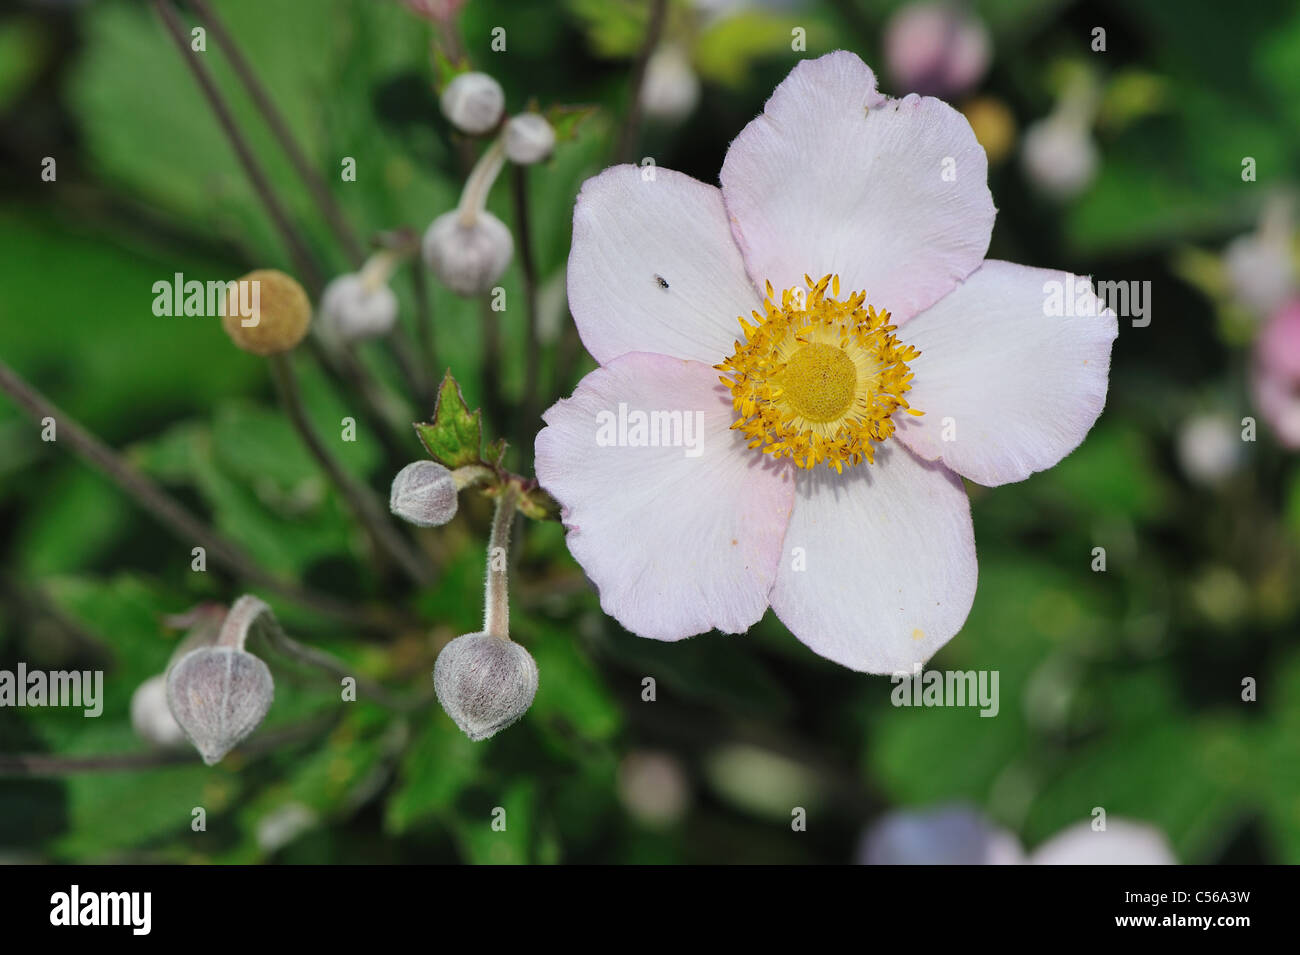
(1119, 689)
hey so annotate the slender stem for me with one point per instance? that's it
(528, 410)
(473, 198)
(162, 506)
(493, 398)
(358, 496)
(54, 764)
(275, 120)
(336, 668)
(496, 613)
(344, 368)
(251, 615)
(632, 118)
(304, 262)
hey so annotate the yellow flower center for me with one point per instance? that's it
(817, 379)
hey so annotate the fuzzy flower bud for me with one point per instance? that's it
(473, 103)
(424, 494)
(219, 695)
(484, 683)
(150, 717)
(359, 305)
(468, 259)
(529, 138)
(280, 315)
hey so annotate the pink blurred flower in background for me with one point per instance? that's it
(1275, 375)
(438, 11)
(936, 49)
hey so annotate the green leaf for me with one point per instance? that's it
(455, 436)
(503, 836)
(566, 119)
(440, 762)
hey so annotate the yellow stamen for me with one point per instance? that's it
(817, 379)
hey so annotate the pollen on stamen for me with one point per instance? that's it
(817, 379)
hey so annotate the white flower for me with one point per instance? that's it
(695, 504)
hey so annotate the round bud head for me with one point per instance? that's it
(484, 683)
(529, 138)
(354, 310)
(269, 314)
(473, 103)
(151, 718)
(424, 494)
(468, 259)
(219, 695)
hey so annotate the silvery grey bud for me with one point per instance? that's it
(219, 695)
(151, 719)
(355, 309)
(468, 259)
(484, 683)
(424, 494)
(529, 138)
(473, 103)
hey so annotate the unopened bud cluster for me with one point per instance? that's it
(468, 249)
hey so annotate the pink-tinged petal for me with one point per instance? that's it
(1008, 384)
(1120, 843)
(653, 267)
(891, 195)
(678, 539)
(878, 570)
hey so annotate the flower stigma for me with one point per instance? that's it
(817, 379)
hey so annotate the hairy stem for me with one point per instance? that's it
(496, 614)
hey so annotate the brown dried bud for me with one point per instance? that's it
(269, 315)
